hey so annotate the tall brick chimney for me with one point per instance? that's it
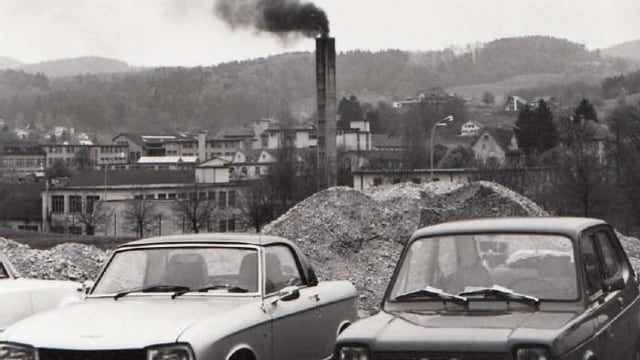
(327, 109)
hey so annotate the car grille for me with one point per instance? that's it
(439, 356)
(55, 354)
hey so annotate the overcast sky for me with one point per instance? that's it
(186, 32)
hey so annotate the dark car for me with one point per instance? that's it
(511, 288)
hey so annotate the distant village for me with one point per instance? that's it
(67, 181)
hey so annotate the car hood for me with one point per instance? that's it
(482, 331)
(128, 323)
(36, 284)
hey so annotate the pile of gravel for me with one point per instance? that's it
(355, 235)
(67, 261)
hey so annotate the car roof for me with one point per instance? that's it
(570, 226)
(211, 238)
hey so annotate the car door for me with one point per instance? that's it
(620, 305)
(605, 308)
(293, 322)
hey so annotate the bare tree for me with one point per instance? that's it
(256, 203)
(94, 215)
(196, 208)
(581, 178)
(139, 214)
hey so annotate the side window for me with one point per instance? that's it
(610, 257)
(591, 263)
(3, 272)
(281, 269)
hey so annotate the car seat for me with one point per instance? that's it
(188, 270)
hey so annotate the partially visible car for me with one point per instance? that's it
(21, 297)
(555, 288)
(205, 297)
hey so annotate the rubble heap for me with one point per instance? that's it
(64, 262)
(354, 235)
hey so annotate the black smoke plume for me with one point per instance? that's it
(280, 17)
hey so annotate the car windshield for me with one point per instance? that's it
(536, 265)
(214, 269)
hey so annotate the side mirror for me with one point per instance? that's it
(289, 293)
(613, 284)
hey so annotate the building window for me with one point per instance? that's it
(231, 225)
(91, 200)
(222, 199)
(172, 196)
(162, 196)
(257, 170)
(138, 197)
(232, 198)
(75, 204)
(149, 196)
(212, 195)
(377, 181)
(57, 204)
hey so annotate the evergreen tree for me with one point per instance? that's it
(586, 111)
(535, 129)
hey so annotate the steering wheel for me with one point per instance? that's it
(533, 286)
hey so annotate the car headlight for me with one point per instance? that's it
(353, 352)
(169, 352)
(17, 352)
(532, 354)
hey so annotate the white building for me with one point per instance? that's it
(470, 128)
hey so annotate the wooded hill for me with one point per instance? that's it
(238, 92)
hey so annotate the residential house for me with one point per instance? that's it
(354, 137)
(470, 128)
(251, 164)
(514, 103)
(19, 161)
(300, 136)
(495, 145)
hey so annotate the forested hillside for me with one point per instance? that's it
(237, 92)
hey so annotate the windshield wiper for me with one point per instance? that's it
(433, 293)
(230, 288)
(502, 293)
(154, 288)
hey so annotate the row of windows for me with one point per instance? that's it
(75, 203)
(21, 163)
(223, 199)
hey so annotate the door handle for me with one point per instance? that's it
(621, 302)
(315, 296)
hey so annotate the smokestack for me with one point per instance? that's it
(326, 97)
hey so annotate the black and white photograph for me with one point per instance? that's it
(319, 180)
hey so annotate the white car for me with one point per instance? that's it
(187, 297)
(20, 297)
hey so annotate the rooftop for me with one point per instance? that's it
(95, 178)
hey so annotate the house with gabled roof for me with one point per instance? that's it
(514, 103)
(470, 128)
(495, 145)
